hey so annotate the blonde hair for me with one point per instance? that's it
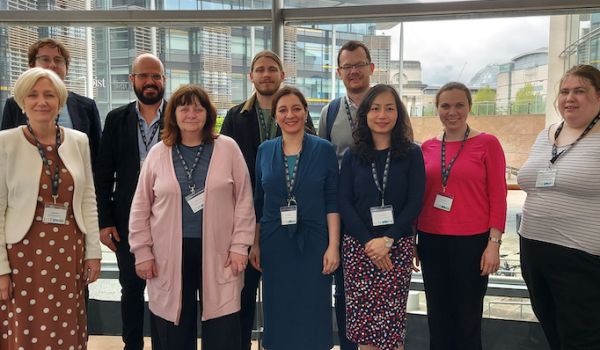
(30, 77)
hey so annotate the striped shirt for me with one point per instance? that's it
(567, 214)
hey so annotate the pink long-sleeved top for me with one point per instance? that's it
(477, 183)
(155, 229)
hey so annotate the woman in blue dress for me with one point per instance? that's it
(297, 240)
(382, 181)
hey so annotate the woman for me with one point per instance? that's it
(382, 181)
(191, 224)
(461, 223)
(49, 246)
(296, 206)
(560, 239)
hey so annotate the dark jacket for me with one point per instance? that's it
(118, 167)
(241, 124)
(84, 115)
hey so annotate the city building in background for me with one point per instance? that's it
(521, 84)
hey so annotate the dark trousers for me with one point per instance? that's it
(340, 307)
(248, 300)
(132, 296)
(454, 289)
(221, 333)
(564, 288)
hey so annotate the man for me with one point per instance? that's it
(250, 124)
(338, 119)
(129, 133)
(80, 113)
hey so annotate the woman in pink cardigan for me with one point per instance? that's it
(191, 224)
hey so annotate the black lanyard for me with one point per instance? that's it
(188, 172)
(147, 142)
(446, 169)
(262, 123)
(384, 179)
(56, 175)
(348, 114)
(290, 179)
(555, 154)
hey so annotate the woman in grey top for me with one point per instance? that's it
(560, 235)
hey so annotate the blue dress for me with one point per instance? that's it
(297, 296)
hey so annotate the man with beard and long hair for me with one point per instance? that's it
(337, 123)
(250, 124)
(129, 133)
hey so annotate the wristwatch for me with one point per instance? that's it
(388, 241)
(495, 240)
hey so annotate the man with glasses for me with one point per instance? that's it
(338, 119)
(79, 113)
(129, 133)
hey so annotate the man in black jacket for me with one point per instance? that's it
(249, 124)
(80, 112)
(129, 133)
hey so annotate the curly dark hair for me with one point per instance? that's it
(402, 134)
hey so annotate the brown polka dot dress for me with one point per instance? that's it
(47, 310)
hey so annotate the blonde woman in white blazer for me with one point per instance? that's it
(49, 245)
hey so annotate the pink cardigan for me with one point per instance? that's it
(155, 230)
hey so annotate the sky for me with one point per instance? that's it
(457, 49)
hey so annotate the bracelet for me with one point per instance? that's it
(495, 240)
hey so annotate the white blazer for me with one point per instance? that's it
(20, 171)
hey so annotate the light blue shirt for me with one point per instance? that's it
(147, 130)
(64, 118)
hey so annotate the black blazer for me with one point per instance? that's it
(84, 115)
(118, 167)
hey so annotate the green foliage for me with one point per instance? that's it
(219, 123)
(526, 94)
(486, 94)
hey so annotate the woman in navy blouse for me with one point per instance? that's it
(298, 244)
(382, 181)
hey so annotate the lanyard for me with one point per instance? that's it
(290, 179)
(56, 175)
(349, 115)
(188, 172)
(446, 169)
(555, 154)
(147, 142)
(385, 176)
(262, 123)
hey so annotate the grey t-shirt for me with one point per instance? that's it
(341, 132)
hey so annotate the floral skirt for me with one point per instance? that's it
(375, 299)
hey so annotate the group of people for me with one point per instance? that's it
(193, 214)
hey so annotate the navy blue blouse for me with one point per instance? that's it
(357, 193)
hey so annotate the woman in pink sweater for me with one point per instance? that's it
(461, 223)
(191, 224)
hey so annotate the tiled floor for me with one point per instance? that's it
(97, 342)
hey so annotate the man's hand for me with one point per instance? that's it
(107, 235)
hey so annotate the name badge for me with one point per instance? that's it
(545, 178)
(443, 202)
(289, 215)
(382, 215)
(54, 214)
(195, 201)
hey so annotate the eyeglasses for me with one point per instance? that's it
(144, 76)
(47, 60)
(357, 66)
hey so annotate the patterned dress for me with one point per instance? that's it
(47, 310)
(375, 299)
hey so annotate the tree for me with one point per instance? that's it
(486, 94)
(484, 101)
(525, 99)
